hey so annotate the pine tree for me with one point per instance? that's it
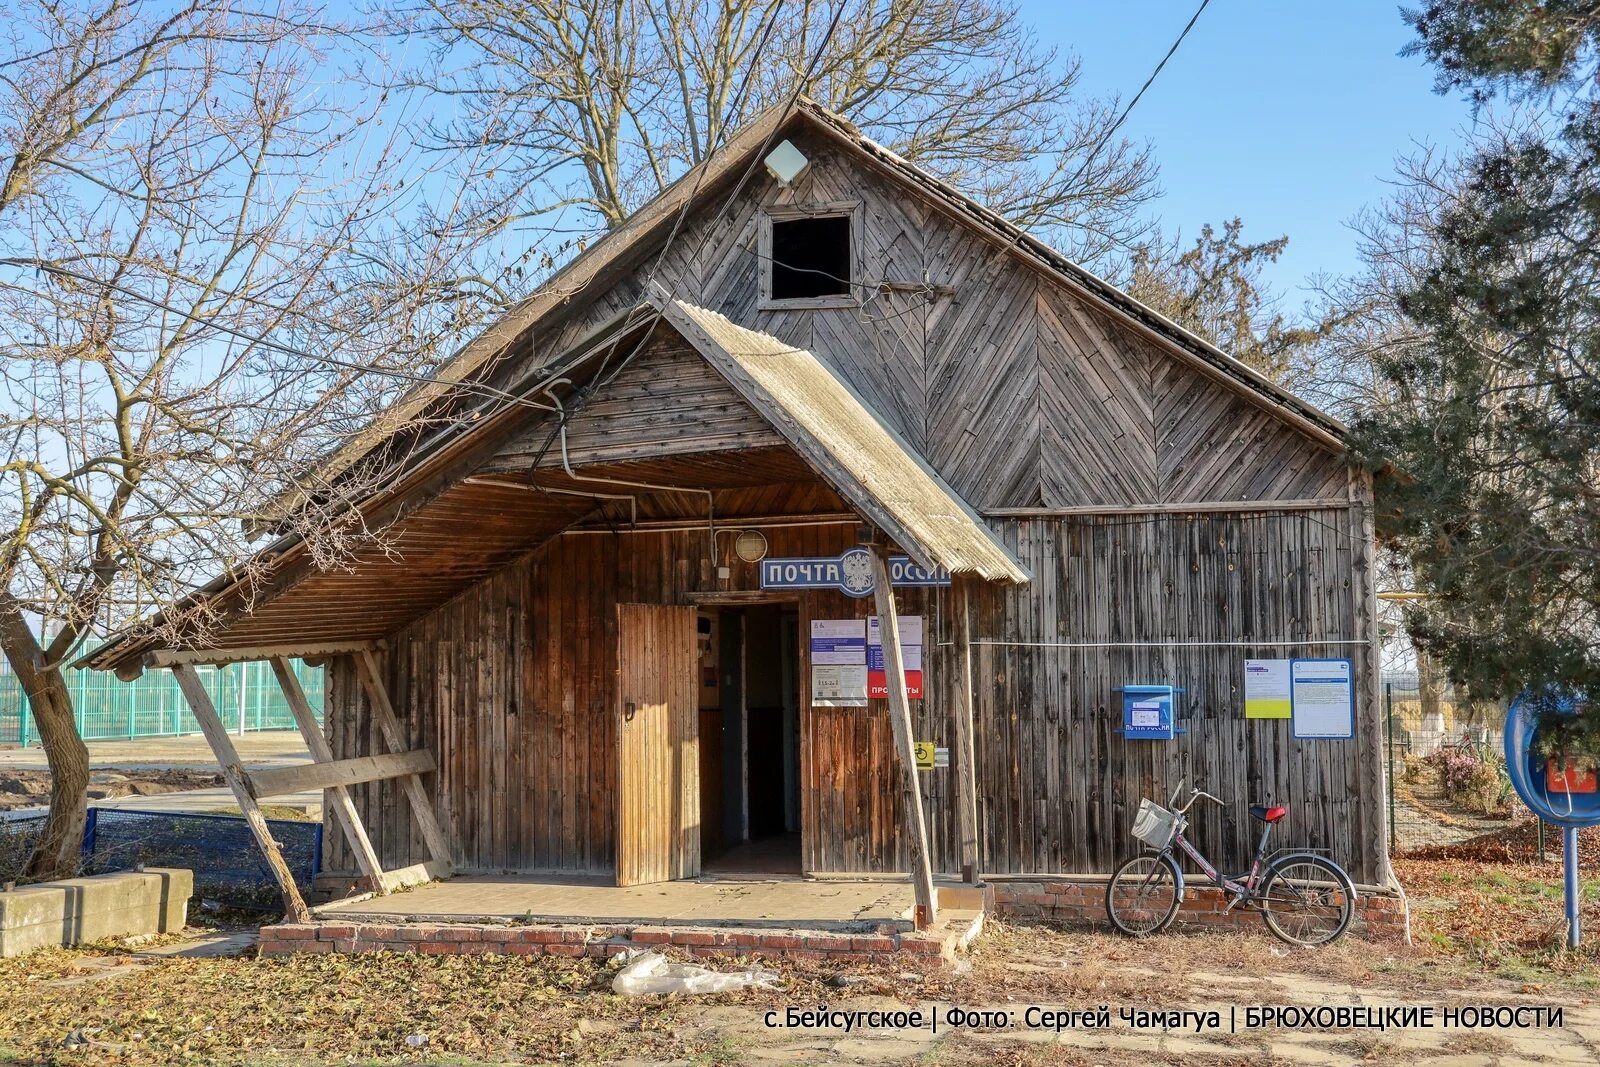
(1494, 436)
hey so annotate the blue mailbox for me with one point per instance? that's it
(1147, 712)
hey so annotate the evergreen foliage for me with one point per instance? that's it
(1494, 432)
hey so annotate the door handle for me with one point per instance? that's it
(629, 710)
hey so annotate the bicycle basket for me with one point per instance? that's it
(1155, 825)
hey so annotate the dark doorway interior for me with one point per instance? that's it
(749, 739)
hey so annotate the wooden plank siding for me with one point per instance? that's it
(665, 400)
(1020, 394)
(528, 662)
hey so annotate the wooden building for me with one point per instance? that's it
(566, 631)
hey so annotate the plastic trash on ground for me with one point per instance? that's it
(652, 973)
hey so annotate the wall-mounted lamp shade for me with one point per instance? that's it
(750, 546)
(786, 162)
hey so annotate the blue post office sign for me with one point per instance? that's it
(850, 573)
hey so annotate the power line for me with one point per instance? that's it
(1123, 117)
(264, 341)
(601, 379)
(734, 105)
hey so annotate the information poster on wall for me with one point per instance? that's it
(839, 663)
(1145, 714)
(910, 649)
(1323, 699)
(1266, 689)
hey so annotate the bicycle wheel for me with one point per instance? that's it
(1143, 895)
(1307, 900)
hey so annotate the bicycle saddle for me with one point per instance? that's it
(1266, 814)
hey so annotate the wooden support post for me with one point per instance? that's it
(894, 669)
(1369, 666)
(961, 711)
(205, 713)
(338, 798)
(388, 725)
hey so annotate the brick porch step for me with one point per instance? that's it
(953, 932)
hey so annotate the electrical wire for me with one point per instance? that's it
(1123, 117)
(263, 341)
(602, 379)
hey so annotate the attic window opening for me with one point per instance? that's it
(810, 257)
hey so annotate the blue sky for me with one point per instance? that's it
(1288, 114)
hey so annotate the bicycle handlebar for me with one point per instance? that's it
(1194, 795)
(1198, 794)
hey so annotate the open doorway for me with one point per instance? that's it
(750, 739)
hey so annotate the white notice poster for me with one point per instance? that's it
(839, 641)
(839, 663)
(1145, 713)
(835, 686)
(910, 652)
(1323, 696)
(1266, 689)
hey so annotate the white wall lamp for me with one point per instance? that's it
(786, 162)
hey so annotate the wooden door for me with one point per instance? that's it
(658, 745)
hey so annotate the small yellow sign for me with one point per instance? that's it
(925, 753)
(1266, 689)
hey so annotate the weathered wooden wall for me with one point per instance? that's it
(527, 659)
(1022, 395)
(1019, 392)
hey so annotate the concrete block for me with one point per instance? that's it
(967, 897)
(76, 911)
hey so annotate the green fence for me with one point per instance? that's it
(246, 695)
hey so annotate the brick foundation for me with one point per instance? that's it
(1378, 917)
(596, 941)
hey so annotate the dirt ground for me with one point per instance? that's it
(116, 1006)
(267, 748)
(1424, 817)
(31, 788)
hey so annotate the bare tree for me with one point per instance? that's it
(579, 112)
(196, 288)
(1214, 287)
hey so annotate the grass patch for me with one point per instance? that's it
(1506, 917)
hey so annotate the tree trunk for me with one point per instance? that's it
(59, 851)
(1430, 690)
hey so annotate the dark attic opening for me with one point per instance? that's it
(811, 257)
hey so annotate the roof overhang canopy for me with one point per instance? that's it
(443, 528)
(624, 248)
(848, 444)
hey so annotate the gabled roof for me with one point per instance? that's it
(830, 429)
(848, 444)
(587, 275)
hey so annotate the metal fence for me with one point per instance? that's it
(246, 695)
(1446, 769)
(227, 864)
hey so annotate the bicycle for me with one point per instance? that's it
(1304, 898)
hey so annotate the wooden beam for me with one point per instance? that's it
(205, 713)
(724, 522)
(416, 874)
(736, 597)
(279, 781)
(389, 725)
(167, 657)
(338, 798)
(1369, 741)
(1195, 508)
(966, 767)
(894, 668)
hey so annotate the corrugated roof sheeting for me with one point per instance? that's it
(828, 423)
